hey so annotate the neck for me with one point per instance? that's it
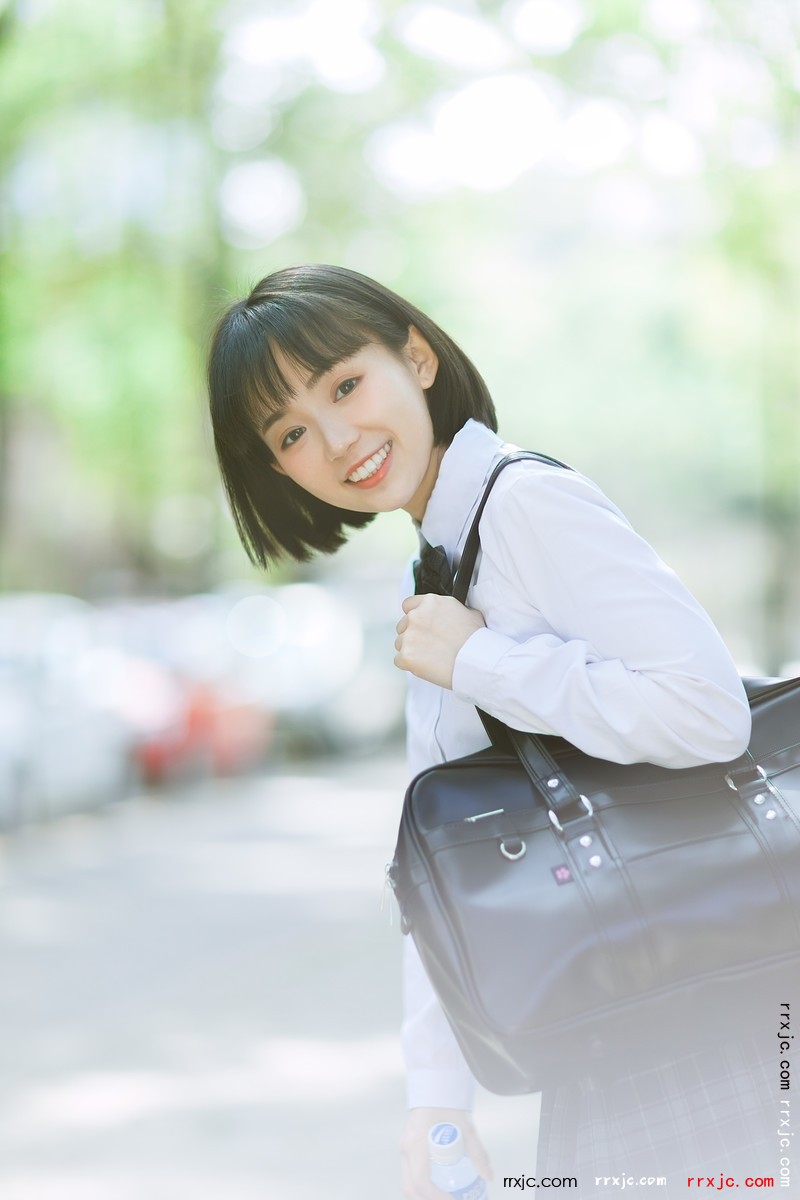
(419, 501)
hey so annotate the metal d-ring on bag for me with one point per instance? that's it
(576, 915)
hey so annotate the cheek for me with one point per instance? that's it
(313, 475)
(424, 422)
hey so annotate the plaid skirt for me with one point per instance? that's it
(708, 1113)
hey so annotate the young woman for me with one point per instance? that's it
(332, 400)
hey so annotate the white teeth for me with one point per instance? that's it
(370, 466)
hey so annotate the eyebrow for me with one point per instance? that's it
(272, 419)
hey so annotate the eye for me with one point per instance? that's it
(291, 437)
(345, 388)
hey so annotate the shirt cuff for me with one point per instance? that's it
(440, 1089)
(476, 669)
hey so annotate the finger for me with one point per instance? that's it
(476, 1151)
(419, 1171)
(402, 625)
(411, 602)
(414, 1174)
(479, 1158)
(422, 1187)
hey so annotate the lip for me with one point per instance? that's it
(366, 458)
(378, 477)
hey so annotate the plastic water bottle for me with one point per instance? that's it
(451, 1170)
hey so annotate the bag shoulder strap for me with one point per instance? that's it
(548, 779)
(466, 566)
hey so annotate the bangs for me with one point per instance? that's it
(311, 333)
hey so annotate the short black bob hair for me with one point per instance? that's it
(316, 316)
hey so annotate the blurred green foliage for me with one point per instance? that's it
(629, 289)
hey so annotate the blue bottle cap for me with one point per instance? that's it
(445, 1143)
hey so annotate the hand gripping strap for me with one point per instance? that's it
(548, 779)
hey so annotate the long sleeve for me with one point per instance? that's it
(622, 661)
(436, 1074)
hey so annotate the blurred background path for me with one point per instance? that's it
(200, 997)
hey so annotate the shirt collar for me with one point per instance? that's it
(462, 474)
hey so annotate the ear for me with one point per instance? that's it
(422, 356)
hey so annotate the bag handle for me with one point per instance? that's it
(548, 779)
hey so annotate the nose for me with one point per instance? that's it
(338, 437)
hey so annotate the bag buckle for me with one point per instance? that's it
(559, 828)
(745, 776)
(753, 784)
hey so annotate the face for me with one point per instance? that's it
(361, 436)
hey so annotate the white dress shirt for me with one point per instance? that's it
(589, 635)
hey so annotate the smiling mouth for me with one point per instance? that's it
(370, 466)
